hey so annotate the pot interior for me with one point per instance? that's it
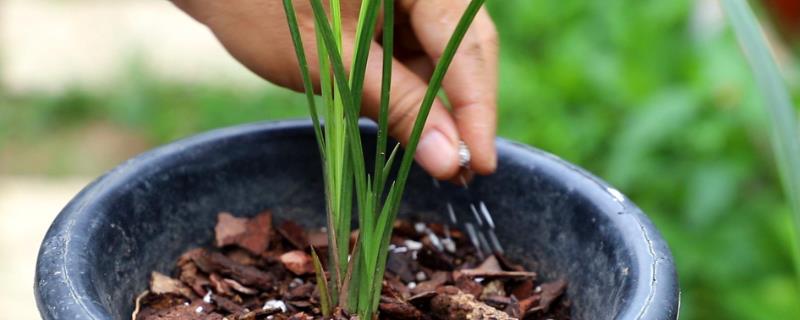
(549, 215)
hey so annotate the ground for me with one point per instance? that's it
(29, 205)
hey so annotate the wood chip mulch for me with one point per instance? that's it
(258, 270)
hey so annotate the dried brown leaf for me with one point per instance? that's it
(298, 262)
(293, 233)
(161, 284)
(317, 239)
(552, 291)
(523, 289)
(229, 228)
(211, 262)
(219, 286)
(462, 306)
(251, 234)
(438, 279)
(397, 309)
(239, 287)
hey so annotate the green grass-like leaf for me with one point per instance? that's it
(785, 134)
(332, 172)
(343, 89)
(386, 89)
(322, 285)
(308, 86)
(364, 33)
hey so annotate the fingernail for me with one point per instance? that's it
(492, 162)
(436, 153)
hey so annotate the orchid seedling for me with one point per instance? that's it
(355, 278)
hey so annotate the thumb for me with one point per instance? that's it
(437, 151)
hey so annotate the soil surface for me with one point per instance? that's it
(258, 270)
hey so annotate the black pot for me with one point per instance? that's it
(560, 220)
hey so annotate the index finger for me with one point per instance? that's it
(471, 81)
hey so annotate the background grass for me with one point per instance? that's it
(625, 89)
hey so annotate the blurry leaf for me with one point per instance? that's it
(711, 190)
(785, 135)
(662, 118)
(773, 298)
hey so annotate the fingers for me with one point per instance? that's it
(255, 32)
(471, 80)
(437, 151)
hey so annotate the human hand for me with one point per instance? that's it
(255, 32)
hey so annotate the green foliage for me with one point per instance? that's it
(623, 88)
(671, 117)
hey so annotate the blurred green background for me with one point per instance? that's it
(653, 96)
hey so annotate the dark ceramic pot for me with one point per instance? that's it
(557, 218)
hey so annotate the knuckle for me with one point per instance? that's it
(492, 38)
(474, 49)
(408, 5)
(486, 30)
(489, 36)
(483, 40)
(403, 113)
